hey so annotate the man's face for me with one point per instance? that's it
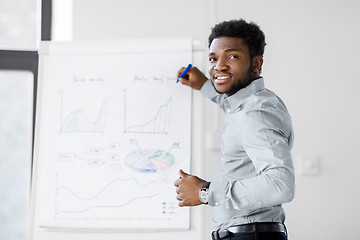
(230, 65)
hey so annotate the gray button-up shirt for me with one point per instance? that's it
(257, 173)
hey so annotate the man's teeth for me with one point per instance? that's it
(220, 78)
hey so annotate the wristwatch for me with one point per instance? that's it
(204, 193)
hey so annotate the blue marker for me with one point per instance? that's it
(184, 72)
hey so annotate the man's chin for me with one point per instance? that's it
(219, 90)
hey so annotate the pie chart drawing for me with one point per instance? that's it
(149, 160)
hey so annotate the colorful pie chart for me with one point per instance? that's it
(149, 161)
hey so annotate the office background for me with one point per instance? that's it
(310, 60)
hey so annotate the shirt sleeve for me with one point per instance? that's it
(266, 136)
(209, 91)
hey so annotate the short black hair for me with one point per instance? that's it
(250, 33)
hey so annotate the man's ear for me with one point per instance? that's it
(257, 63)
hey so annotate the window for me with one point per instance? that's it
(18, 81)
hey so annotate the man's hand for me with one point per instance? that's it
(194, 78)
(187, 189)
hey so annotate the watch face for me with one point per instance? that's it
(203, 196)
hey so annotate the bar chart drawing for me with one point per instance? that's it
(150, 123)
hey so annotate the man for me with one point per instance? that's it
(257, 174)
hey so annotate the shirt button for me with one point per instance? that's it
(216, 204)
(228, 110)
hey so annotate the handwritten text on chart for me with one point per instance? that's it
(89, 80)
(158, 79)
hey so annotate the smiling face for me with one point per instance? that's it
(231, 67)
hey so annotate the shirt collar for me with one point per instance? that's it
(236, 100)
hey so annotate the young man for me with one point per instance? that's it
(257, 174)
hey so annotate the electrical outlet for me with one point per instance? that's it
(309, 166)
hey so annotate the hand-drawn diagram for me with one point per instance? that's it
(158, 123)
(95, 157)
(108, 201)
(150, 160)
(77, 121)
(111, 144)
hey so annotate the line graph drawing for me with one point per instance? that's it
(105, 206)
(78, 121)
(113, 199)
(87, 196)
(157, 123)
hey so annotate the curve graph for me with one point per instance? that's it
(116, 198)
(78, 121)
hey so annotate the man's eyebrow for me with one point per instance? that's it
(227, 50)
(231, 50)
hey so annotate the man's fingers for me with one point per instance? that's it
(185, 81)
(182, 174)
(177, 182)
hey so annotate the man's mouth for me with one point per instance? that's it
(221, 79)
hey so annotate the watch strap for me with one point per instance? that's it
(206, 185)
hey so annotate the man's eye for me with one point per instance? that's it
(212, 60)
(233, 57)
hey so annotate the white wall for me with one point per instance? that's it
(310, 61)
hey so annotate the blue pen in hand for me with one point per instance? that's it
(184, 72)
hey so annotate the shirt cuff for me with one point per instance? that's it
(217, 191)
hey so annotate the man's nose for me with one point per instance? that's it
(221, 65)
